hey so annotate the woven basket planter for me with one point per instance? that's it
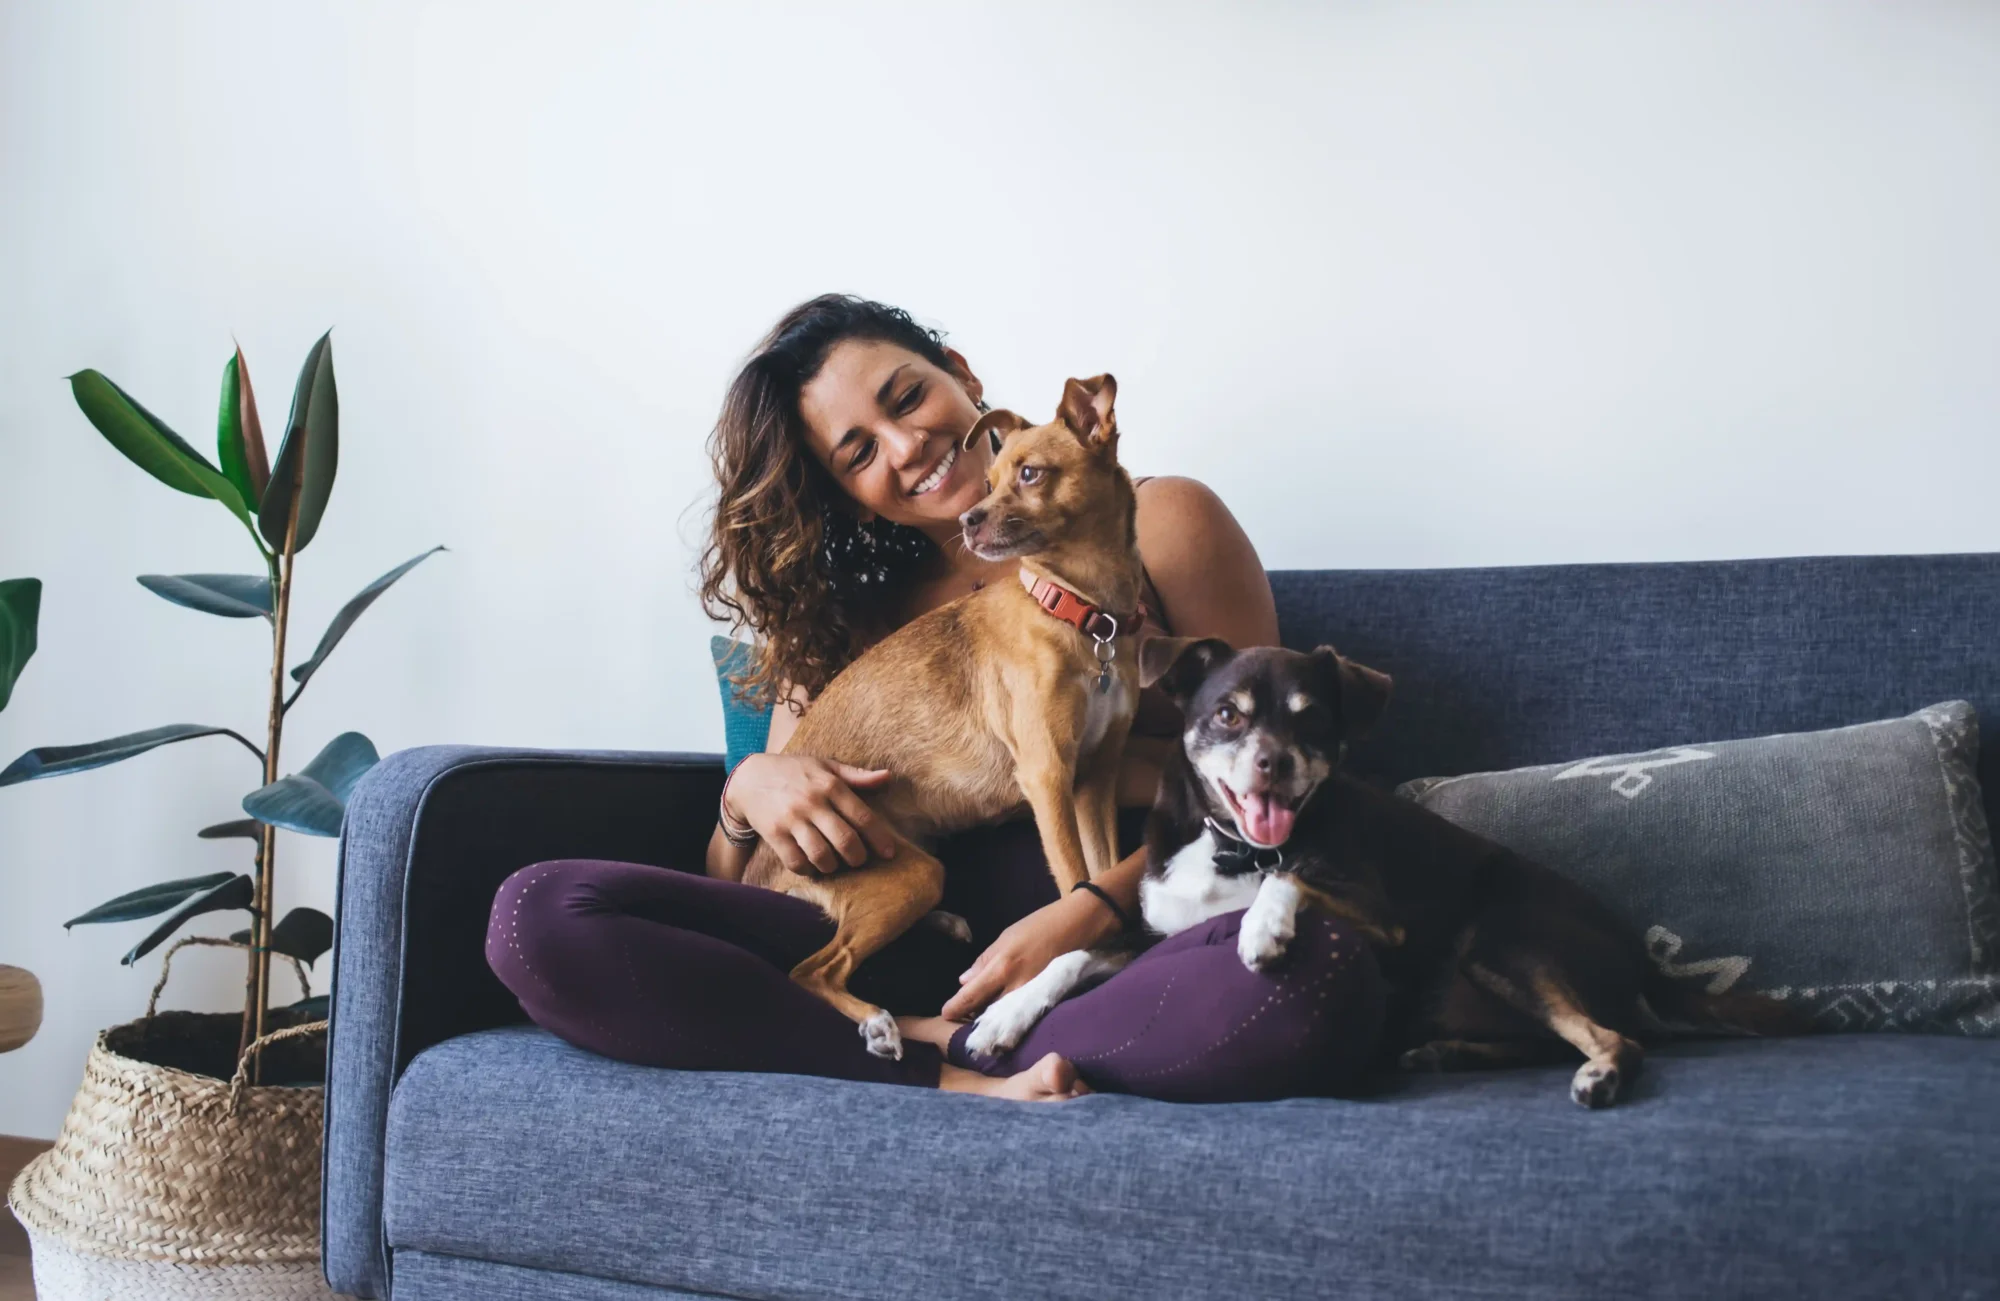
(168, 1181)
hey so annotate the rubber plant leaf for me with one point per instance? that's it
(237, 892)
(150, 900)
(313, 800)
(233, 596)
(241, 829)
(56, 760)
(239, 434)
(147, 442)
(20, 611)
(309, 454)
(351, 611)
(305, 934)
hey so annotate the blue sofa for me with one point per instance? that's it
(469, 1155)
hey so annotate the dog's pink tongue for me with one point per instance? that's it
(1265, 820)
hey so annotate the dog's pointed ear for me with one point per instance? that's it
(995, 425)
(1364, 692)
(1087, 410)
(1178, 665)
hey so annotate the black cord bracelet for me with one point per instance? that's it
(1124, 918)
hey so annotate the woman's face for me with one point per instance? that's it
(887, 425)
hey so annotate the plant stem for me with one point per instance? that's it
(264, 917)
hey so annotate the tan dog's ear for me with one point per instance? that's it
(1086, 409)
(1364, 692)
(1179, 665)
(995, 425)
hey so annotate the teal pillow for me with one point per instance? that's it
(746, 727)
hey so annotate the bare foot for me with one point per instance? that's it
(929, 1029)
(1051, 1079)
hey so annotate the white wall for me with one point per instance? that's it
(1445, 284)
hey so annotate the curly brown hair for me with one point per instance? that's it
(784, 558)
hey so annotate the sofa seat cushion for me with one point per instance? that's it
(1838, 1165)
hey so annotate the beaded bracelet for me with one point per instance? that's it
(738, 833)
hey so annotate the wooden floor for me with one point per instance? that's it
(16, 1284)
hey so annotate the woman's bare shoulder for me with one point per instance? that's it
(1202, 563)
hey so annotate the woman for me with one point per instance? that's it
(837, 522)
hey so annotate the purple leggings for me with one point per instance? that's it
(667, 968)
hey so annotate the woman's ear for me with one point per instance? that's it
(961, 370)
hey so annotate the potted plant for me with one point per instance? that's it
(231, 1103)
(20, 608)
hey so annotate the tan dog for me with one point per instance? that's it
(1022, 691)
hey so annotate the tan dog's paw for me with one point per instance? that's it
(882, 1035)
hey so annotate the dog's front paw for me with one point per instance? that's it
(883, 1036)
(1595, 1085)
(1265, 935)
(1005, 1023)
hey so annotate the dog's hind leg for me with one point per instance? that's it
(870, 906)
(1481, 1055)
(1610, 1057)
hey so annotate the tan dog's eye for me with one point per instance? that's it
(1225, 714)
(1030, 473)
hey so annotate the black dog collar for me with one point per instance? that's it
(1235, 856)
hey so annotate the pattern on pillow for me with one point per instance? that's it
(1850, 871)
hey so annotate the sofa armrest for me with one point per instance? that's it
(430, 835)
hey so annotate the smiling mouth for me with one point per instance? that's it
(932, 481)
(1264, 818)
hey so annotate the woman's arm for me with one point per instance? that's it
(804, 808)
(1211, 584)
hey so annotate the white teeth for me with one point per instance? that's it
(936, 477)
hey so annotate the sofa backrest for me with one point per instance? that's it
(1500, 668)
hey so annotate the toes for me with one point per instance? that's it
(1595, 1085)
(1259, 951)
(1427, 1058)
(883, 1036)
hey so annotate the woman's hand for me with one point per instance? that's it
(806, 810)
(1023, 949)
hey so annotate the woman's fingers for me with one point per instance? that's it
(862, 818)
(816, 849)
(985, 982)
(866, 778)
(844, 839)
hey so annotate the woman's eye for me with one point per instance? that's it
(1226, 715)
(911, 397)
(1030, 474)
(861, 457)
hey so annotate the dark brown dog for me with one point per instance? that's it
(1019, 693)
(1492, 959)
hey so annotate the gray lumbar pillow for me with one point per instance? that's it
(1847, 871)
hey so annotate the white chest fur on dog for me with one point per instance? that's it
(1190, 891)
